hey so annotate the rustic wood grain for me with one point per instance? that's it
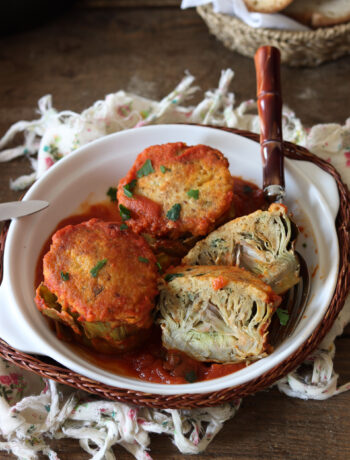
(145, 46)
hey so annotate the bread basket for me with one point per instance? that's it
(48, 368)
(298, 48)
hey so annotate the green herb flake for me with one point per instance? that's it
(171, 276)
(146, 169)
(217, 243)
(174, 213)
(100, 264)
(64, 276)
(193, 194)
(128, 188)
(112, 193)
(143, 260)
(283, 316)
(124, 212)
(304, 245)
(127, 192)
(123, 227)
(247, 189)
(191, 376)
(160, 268)
(164, 169)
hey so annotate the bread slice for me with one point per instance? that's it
(319, 13)
(267, 6)
(216, 313)
(262, 242)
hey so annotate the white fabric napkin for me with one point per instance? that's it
(32, 410)
(238, 8)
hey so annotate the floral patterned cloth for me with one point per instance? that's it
(32, 410)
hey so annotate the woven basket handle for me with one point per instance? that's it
(267, 64)
(3, 234)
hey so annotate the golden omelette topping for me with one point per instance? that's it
(102, 273)
(175, 189)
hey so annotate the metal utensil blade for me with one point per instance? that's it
(15, 209)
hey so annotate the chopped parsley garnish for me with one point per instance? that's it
(174, 212)
(191, 376)
(304, 245)
(128, 188)
(193, 194)
(124, 212)
(247, 189)
(171, 276)
(217, 243)
(123, 227)
(112, 193)
(164, 169)
(100, 264)
(143, 260)
(283, 316)
(64, 276)
(146, 169)
(159, 266)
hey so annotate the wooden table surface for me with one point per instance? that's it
(97, 47)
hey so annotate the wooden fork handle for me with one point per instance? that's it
(267, 65)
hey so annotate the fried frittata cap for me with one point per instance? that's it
(174, 189)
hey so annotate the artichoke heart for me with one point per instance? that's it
(261, 242)
(214, 313)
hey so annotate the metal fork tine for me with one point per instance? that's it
(294, 302)
(303, 291)
(278, 332)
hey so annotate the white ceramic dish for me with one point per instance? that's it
(312, 197)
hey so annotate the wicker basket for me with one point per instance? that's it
(298, 48)
(48, 368)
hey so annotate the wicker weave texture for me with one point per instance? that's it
(298, 48)
(48, 368)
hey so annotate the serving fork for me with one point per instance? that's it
(267, 66)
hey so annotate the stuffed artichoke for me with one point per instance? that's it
(218, 314)
(101, 282)
(261, 242)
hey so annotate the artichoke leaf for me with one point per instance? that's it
(104, 330)
(51, 308)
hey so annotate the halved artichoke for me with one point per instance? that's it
(261, 242)
(216, 313)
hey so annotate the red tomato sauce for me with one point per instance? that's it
(219, 283)
(153, 362)
(247, 197)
